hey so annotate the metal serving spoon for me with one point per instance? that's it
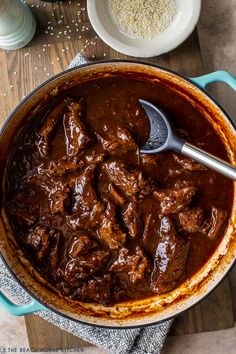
(163, 138)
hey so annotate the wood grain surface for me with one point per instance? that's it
(63, 30)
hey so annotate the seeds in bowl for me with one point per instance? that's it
(143, 19)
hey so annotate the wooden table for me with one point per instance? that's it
(63, 31)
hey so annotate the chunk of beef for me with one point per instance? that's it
(83, 192)
(54, 252)
(109, 230)
(57, 191)
(132, 220)
(117, 141)
(212, 226)
(42, 181)
(136, 264)
(35, 238)
(147, 226)
(130, 182)
(84, 265)
(59, 197)
(76, 133)
(94, 157)
(60, 167)
(87, 210)
(116, 197)
(97, 290)
(81, 244)
(191, 220)
(175, 199)
(188, 164)
(38, 241)
(46, 129)
(84, 220)
(170, 259)
(23, 209)
(149, 160)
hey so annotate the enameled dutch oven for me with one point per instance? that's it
(131, 313)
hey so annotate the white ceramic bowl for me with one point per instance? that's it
(181, 27)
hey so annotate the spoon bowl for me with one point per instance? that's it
(162, 138)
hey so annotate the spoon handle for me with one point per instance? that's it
(209, 160)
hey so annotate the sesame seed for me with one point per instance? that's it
(144, 19)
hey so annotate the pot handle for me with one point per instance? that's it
(19, 310)
(216, 76)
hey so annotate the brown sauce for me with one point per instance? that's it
(100, 221)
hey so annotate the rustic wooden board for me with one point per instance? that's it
(50, 53)
(43, 335)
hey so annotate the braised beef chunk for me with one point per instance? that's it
(59, 198)
(174, 200)
(83, 220)
(212, 225)
(85, 259)
(60, 167)
(38, 241)
(76, 133)
(130, 182)
(100, 220)
(149, 160)
(57, 191)
(83, 192)
(84, 266)
(96, 290)
(188, 164)
(35, 238)
(54, 253)
(147, 227)
(81, 244)
(191, 220)
(23, 209)
(110, 231)
(137, 264)
(94, 157)
(117, 141)
(46, 129)
(170, 259)
(132, 220)
(86, 209)
(115, 196)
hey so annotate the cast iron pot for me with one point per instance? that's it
(131, 313)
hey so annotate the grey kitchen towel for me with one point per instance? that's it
(147, 340)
